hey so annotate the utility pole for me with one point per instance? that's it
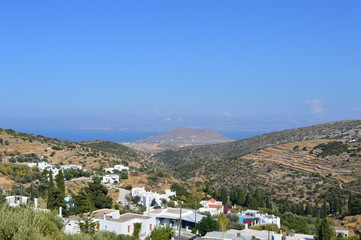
(195, 213)
(180, 221)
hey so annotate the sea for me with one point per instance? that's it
(80, 135)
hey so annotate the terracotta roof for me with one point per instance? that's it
(215, 206)
(212, 200)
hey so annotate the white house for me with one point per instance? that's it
(266, 235)
(212, 206)
(17, 200)
(341, 231)
(146, 197)
(170, 217)
(110, 178)
(111, 220)
(55, 170)
(259, 218)
(66, 167)
(116, 167)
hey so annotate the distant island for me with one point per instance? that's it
(188, 135)
(179, 137)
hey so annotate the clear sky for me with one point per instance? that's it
(237, 58)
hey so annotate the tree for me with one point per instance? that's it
(251, 201)
(83, 202)
(154, 202)
(222, 222)
(355, 205)
(32, 197)
(55, 199)
(162, 233)
(207, 224)
(60, 181)
(137, 228)
(324, 230)
(98, 193)
(224, 196)
(241, 197)
(135, 199)
(268, 203)
(87, 224)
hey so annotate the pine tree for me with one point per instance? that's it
(83, 203)
(87, 224)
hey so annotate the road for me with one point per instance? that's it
(122, 194)
(82, 179)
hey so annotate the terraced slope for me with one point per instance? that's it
(292, 170)
(191, 155)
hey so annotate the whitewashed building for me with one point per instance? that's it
(170, 217)
(111, 220)
(147, 197)
(55, 170)
(116, 167)
(110, 178)
(250, 234)
(259, 218)
(17, 200)
(66, 167)
(212, 206)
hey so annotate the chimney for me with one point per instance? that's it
(60, 212)
(104, 217)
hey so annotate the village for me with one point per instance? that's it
(254, 224)
(139, 210)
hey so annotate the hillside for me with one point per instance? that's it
(188, 135)
(335, 130)
(283, 163)
(21, 148)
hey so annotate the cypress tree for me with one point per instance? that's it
(32, 197)
(324, 230)
(268, 203)
(350, 197)
(308, 209)
(241, 197)
(60, 181)
(324, 210)
(50, 201)
(224, 196)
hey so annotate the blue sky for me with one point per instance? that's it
(237, 59)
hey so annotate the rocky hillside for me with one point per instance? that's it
(193, 154)
(283, 163)
(20, 147)
(188, 135)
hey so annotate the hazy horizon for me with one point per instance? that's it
(158, 65)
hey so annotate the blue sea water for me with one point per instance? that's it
(78, 135)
